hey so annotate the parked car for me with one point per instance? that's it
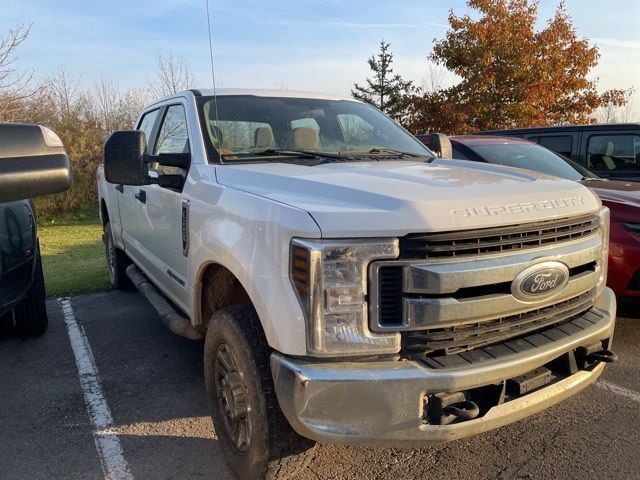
(622, 198)
(32, 162)
(610, 150)
(350, 291)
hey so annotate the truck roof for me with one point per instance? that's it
(565, 128)
(257, 92)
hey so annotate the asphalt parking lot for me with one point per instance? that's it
(151, 382)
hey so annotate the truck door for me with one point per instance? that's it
(128, 202)
(161, 211)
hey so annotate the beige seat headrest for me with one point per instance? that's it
(609, 149)
(305, 138)
(263, 137)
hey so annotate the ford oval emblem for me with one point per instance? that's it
(540, 281)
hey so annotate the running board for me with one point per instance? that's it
(173, 319)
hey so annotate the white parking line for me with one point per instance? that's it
(114, 466)
(618, 390)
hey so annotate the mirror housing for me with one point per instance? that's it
(33, 162)
(441, 145)
(125, 158)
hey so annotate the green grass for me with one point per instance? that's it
(73, 255)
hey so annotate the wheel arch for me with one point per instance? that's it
(104, 212)
(217, 287)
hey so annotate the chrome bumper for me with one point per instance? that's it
(381, 403)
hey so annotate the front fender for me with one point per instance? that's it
(251, 236)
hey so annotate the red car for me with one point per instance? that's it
(622, 198)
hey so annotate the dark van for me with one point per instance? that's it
(611, 150)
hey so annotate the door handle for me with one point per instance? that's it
(141, 196)
(120, 188)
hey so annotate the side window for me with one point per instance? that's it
(355, 129)
(173, 137)
(459, 154)
(561, 144)
(614, 152)
(146, 124)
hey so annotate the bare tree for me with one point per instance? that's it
(117, 110)
(615, 112)
(433, 79)
(173, 74)
(15, 84)
(65, 87)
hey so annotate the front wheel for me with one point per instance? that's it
(255, 437)
(117, 261)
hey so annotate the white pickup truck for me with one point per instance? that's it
(351, 287)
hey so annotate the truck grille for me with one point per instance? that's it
(495, 240)
(452, 340)
(446, 295)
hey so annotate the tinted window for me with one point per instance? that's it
(614, 152)
(561, 144)
(147, 122)
(173, 137)
(530, 157)
(459, 154)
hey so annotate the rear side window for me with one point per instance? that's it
(614, 152)
(147, 122)
(561, 144)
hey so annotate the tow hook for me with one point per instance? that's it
(606, 356)
(446, 408)
(465, 410)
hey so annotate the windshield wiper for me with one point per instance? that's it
(303, 153)
(395, 152)
(593, 179)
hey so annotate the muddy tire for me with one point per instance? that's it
(117, 261)
(255, 437)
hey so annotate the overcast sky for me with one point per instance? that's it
(319, 45)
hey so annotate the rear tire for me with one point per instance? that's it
(255, 437)
(30, 314)
(117, 261)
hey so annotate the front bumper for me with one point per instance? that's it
(382, 402)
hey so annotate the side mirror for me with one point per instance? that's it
(125, 159)
(33, 162)
(441, 145)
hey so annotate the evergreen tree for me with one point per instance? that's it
(385, 89)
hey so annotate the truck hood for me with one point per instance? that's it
(616, 191)
(393, 198)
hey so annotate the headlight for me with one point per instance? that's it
(330, 278)
(631, 227)
(604, 232)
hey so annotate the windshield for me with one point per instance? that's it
(532, 157)
(248, 127)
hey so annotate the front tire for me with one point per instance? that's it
(255, 437)
(117, 261)
(30, 314)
